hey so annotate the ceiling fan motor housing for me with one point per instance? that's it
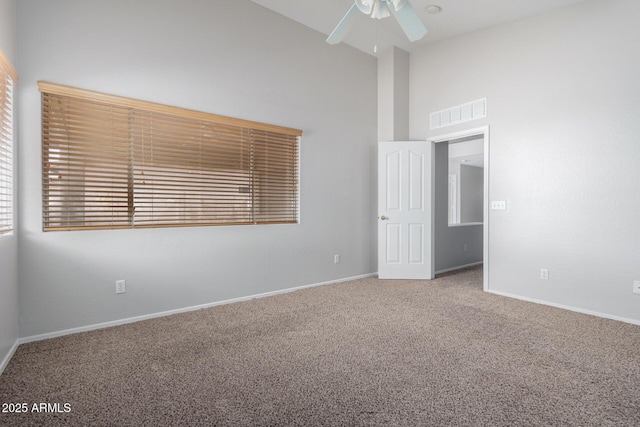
(379, 8)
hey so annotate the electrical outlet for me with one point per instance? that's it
(544, 274)
(636, 286)
(336, 259)
(121, 286)
(465, 247)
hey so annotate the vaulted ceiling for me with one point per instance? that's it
(457, 17)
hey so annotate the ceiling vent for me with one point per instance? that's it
(459, 114)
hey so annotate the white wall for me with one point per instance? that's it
(563, 108)
(8, 244)
(229, 57)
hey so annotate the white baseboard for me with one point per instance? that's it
(459, 267)
(9, 355)
(567, 307)
(56, 334)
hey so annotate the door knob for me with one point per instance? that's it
(384, 218)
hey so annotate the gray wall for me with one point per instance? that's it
(471, 193)
(563, 95)
(393, 95)
(450, 241)
(229, 57)
(8, 244)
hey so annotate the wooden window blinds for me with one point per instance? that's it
(8, 78)
(113, 162)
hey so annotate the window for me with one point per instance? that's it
(112, 162)
(8, 78)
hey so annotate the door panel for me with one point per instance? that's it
(393, 243)
(416, 181)
(416, 243)
(393, 186)
(404, 204)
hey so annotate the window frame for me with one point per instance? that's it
(9, 80)
(195, 130)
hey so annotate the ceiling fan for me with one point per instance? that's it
(401, 9)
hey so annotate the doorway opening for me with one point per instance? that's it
(461, 233)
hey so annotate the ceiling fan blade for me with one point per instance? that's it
(409, 22)
(343, 27)
(399, 4)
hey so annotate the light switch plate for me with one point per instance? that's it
(498, 205)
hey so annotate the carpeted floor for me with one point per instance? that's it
(363, 353)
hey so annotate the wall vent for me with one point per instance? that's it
(459, 114)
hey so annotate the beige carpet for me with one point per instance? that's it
(361, 353)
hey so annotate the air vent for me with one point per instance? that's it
(459, 114)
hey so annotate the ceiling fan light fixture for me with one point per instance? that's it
(402, 11)
(365, 6)
(380, 9)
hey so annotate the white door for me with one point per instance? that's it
(404, 210)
